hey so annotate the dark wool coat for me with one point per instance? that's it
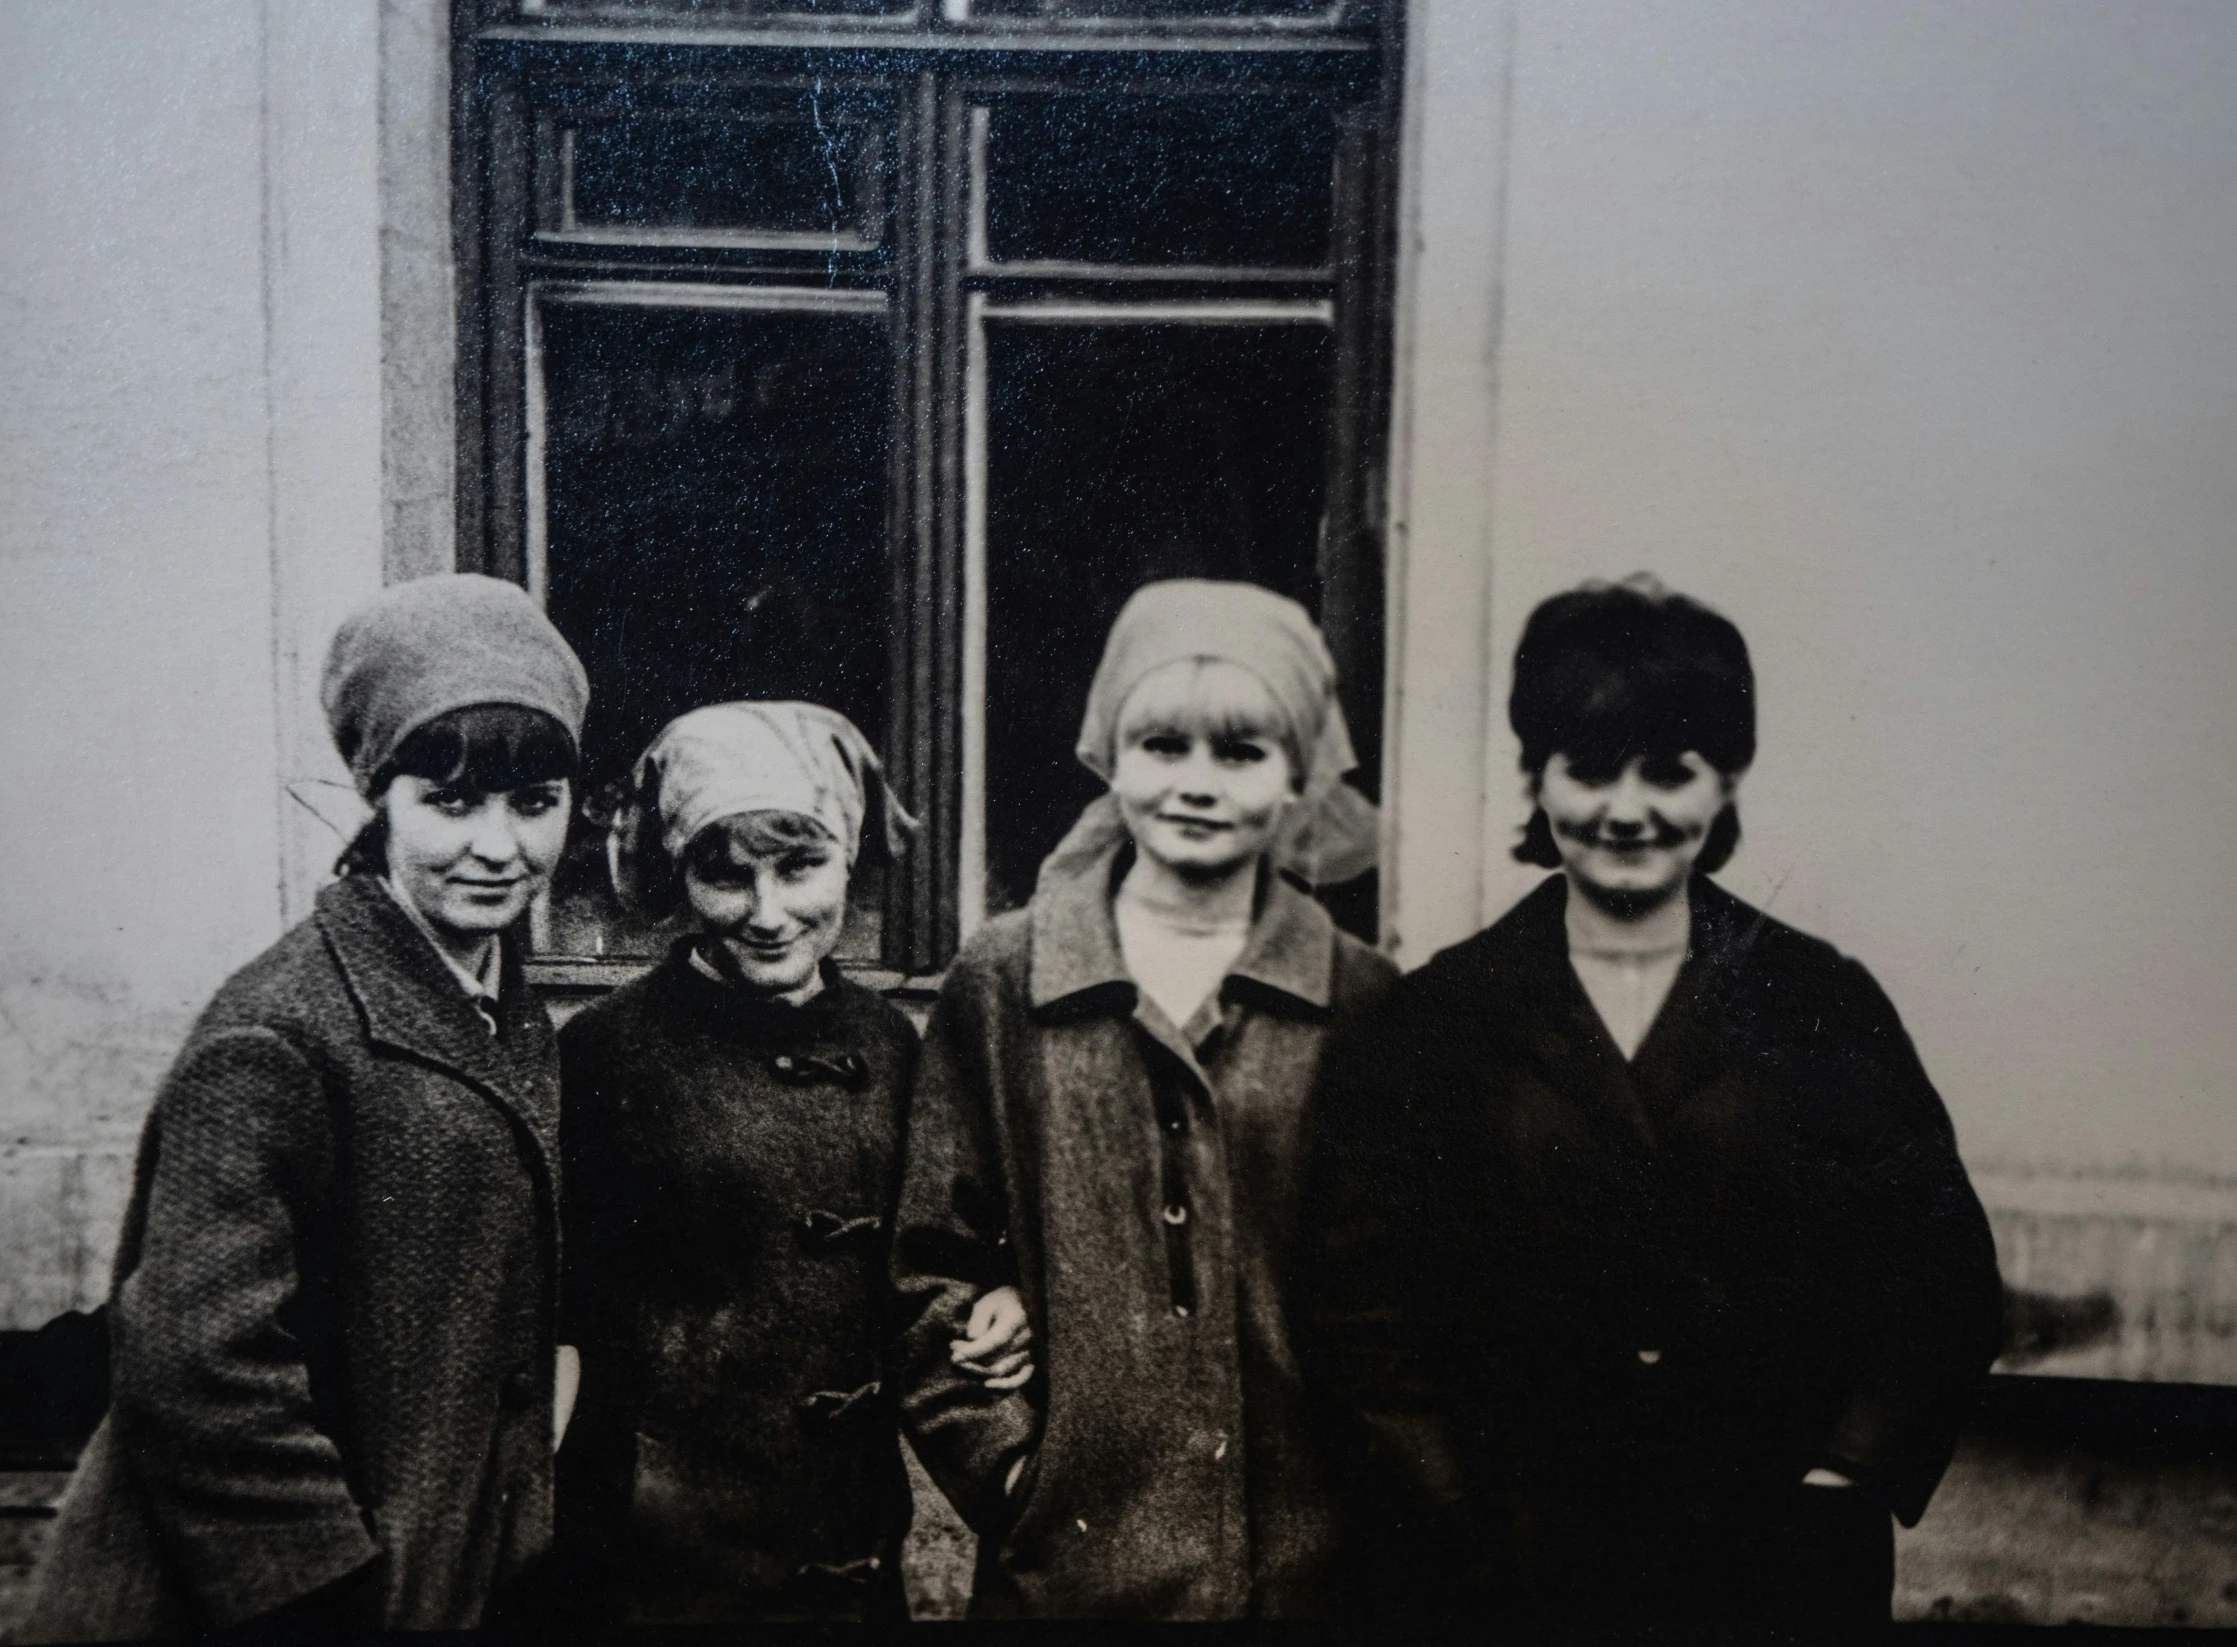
(1141, 1191)
(332, 1321)
(1591, 1323)
(732, 1166)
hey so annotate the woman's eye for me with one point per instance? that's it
(1594, 774)
(1169, 746)
(534, 803)
(796, 866)
(1239, 751)
(451, 803)
(1666, 772)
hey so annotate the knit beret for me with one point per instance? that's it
(421, 649)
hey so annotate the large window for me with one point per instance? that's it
(873, 353)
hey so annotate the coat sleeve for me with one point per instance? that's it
(1366, 1275)
(950, 1244)
(212, 1393)
(593, 1214)
(1925, 1270)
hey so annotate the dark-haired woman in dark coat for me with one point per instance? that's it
(332, 1324)
(1644, 1280)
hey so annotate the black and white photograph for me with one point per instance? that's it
(1408, 816)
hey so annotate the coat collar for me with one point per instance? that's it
(738, 1015)
(1683, 1046)
(412, 1003)
(1075, 948)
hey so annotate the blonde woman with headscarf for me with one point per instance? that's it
(1109, 1117)
(732, 1140)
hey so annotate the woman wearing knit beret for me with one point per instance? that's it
(334, 1361)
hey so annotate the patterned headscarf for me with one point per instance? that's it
(728, 758)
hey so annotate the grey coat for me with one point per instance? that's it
(1140, 1186)
(332, 1321)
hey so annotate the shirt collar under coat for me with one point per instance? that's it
(1290, 953)
(411, 1001)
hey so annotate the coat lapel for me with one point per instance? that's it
(1685, 1047)
(412, 1005)
(1564, 1034)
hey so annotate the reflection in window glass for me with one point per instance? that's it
(716, 492)
(1118, 454)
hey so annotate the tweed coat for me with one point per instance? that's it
(1140, 1187)
(1591, 1322)
(731, 1169)
(332, 1318)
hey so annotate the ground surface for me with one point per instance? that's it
(2016, 1535)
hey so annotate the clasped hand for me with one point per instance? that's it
(996, 1341)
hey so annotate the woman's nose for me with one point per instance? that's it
(762, 913)
(1197, 782)
(495, 839)
(1626, 809)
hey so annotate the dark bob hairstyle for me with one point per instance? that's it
(1611, 671)
(486, 747)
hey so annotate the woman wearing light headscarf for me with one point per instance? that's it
(333, 1358)
(1108, 1117)
(732, 1141)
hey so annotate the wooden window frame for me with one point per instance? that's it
(933, 78)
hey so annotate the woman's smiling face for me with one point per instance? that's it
(1629, 833)
(1203, 772)
(776, 906)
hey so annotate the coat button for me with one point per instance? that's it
(517, 1389)
(1648, 1358)
(1176, 1214)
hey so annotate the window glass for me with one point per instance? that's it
(1241, 10)
(1118, 454)
(809, 175)
(1239, 180)
(715, 486)
(715, 11)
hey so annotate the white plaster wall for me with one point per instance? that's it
(190, 492)
(1906, 334)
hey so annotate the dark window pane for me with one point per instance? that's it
(716, 10)
(1119, 454)
(1244, 180)
(716, 493)
(1160, 9)
(809, 173)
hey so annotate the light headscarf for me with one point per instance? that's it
(1331, 831)
(728, 758)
